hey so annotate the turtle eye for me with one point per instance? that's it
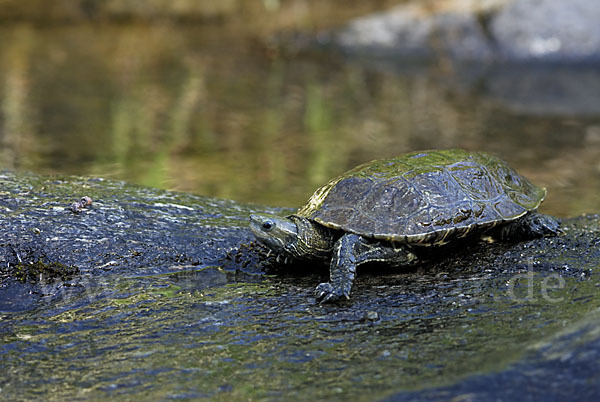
(268, 225)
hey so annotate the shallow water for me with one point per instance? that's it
(201, 334)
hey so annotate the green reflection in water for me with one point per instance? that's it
(201, 109)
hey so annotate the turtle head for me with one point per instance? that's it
(277, 233)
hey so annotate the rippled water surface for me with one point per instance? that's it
(201, 334)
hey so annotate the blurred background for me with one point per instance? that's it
(224, 99)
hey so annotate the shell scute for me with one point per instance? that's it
(426, 197)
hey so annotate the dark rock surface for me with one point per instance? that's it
(562, 368)
(127, 229)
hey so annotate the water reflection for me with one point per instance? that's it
(190, 109)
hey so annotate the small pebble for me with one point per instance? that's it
(372, 316)
(77, 207)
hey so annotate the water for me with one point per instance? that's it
(208, 110)
(191, 335)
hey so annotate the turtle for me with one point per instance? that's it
(392, 210)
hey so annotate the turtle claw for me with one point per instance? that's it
(326, 293)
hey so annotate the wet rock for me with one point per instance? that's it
(412, 30)
(548, 30)
(167, 302)
(573, 353)
(400, 32)
(45, 243)
(496, 48)
(460, 37)
(502, 30)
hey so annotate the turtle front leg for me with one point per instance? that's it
(349, 252)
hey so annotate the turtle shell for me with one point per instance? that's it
(424, 197)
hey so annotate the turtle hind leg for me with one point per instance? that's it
(349, 252)
(531, 226)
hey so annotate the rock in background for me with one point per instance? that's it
(496, 30)
(549, 30)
